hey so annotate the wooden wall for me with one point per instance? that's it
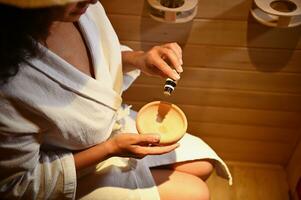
(241, 88)
(294, 170)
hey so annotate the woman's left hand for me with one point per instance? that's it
(160, 61)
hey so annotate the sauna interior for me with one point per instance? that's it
(241, 90)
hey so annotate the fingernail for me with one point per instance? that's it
(180, 69)
(176, 76)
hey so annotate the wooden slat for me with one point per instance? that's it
(240, 58)
(260, 184)
(259, 157)
(236, 116)
(233, 79)
(241, 86)
(219, 188)
(221, 9)
(294, 168)
(210, 9)
(251, 181)
(250, 151)
(216, 97)
(206, 32)
(242, 132)
(129, 7)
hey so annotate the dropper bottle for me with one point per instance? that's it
(170, 85)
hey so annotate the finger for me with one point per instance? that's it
(156, 150)
(144, 140)
(177, 49)
(172, 57)
(164, 67)
(154, 71)
(148, 139)
(132, 138)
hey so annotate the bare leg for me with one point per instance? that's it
(176, 185)
(199, 168)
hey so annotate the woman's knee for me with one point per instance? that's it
(175, 185)
(199, 191)
(199, 168)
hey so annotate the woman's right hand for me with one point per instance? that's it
(137, 146)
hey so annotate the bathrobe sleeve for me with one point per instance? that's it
(130, 76)
(26, 171)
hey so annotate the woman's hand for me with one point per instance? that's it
(137, 146)
(158, 61)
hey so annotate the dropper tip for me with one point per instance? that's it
(166, 93)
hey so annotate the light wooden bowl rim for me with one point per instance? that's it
(154, 103)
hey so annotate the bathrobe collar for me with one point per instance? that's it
(105, 88)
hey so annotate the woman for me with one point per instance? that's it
(62, 75)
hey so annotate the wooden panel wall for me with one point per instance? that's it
(241, 88)
(294, 170)
(252, 181)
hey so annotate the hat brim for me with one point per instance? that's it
(37, 3)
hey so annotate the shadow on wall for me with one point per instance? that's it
(280, 42)
(269, 49)
(154, 31)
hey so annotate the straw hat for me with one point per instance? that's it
(36, 3)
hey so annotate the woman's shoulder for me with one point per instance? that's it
(21, 83)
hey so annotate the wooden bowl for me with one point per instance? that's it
(162, 118)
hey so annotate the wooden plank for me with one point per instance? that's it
(240, 58)
(267, 166)
(221, 9)
(206, 32)
(216, 97)
(233, 79)
(260, 184)
(247, 157)
(250, 151)
(129, 7)
(243, 132)
(293, 168)
(210, 9)
(251, 181)
(219, 188)
(236, 116)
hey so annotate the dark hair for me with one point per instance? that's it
(20, 30)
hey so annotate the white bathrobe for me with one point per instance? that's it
(50, 109)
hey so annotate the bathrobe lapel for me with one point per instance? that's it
(106, 87)
(109, 43)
